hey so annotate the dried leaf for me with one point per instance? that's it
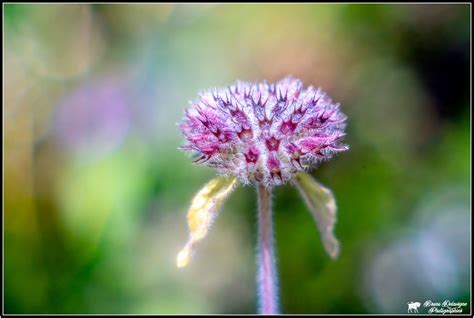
(202, 213)
(322, 205)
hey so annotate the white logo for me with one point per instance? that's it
(413, 307)
(445, 307)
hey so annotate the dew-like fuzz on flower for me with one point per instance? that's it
(262, 132)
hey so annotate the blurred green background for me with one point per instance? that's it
(96, 191)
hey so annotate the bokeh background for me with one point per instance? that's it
(96, 191)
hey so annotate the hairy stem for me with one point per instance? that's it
(267, 281)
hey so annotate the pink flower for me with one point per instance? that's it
(261, 132)
(265, 134)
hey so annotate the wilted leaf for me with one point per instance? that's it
(322, 205)
(202, 213)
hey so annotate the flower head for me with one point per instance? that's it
(261, 132)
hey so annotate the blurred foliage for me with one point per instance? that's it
(96, 190)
